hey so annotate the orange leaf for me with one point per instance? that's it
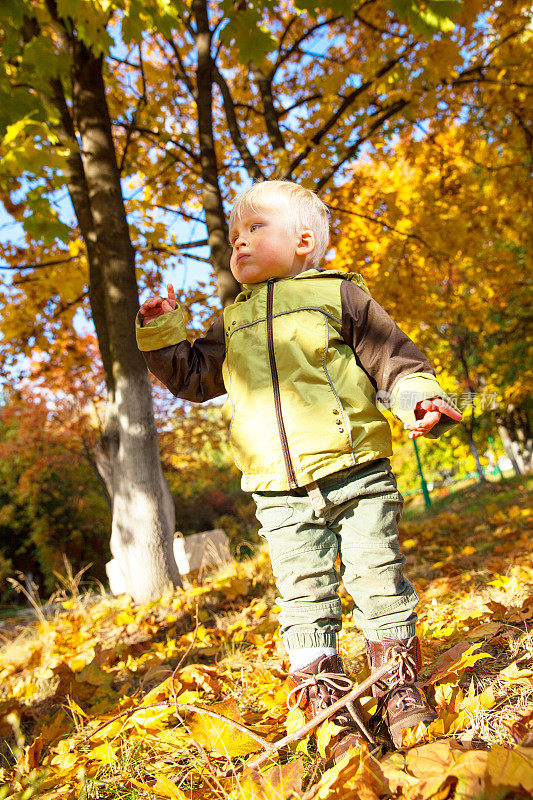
(456, 661)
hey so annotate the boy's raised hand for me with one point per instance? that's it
(155, 307)
(427, 413)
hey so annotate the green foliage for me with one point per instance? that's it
(246, 32)
(426, 17)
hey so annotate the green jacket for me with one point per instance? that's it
(302, 360)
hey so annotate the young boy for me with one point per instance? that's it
(302, 353)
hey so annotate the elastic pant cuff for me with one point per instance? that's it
(295, 641)
(399, 632)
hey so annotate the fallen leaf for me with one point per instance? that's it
(106, 753)
(461, 660)
(32, 755)
(167, 788)
(357, 775)
(221, 737)
(432, 759)
(326, 732)
(512, 674)
(511, 767)
(521, 730)
(296, 719)
(279, 783)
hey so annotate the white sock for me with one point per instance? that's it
(306, 655)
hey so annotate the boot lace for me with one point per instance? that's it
(401, 681)
(331, 680)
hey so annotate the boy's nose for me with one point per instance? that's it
(240, 241)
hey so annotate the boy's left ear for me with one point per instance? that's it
(306, 243)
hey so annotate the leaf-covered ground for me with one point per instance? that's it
(95, 701)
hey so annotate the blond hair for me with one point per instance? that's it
(302, 209)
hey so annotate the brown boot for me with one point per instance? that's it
(318, 686)
(403, 702)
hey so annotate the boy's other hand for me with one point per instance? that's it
(427, 414)
(155, 307)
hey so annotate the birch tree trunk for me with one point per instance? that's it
(514, 427)
(143, 510)
(128, 455)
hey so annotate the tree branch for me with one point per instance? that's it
(41, 265)
(141, 103)
(229, 107)
(161, 250)
(380, 222)
(264, 84)
(352, 150)
(346, 103)
(376, 28)
(181, 213)
(182, 73)
(155, 135)
(295, 45)
(75, 302)
(308, 99)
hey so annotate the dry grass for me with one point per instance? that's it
(462, 592)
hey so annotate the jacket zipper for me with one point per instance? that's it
(293, 484)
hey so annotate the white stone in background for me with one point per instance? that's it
(194, 552)
(201, 550)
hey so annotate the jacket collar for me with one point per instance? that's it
(248, 289)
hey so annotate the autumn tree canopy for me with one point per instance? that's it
(120, 118)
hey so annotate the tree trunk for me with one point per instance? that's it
(128, 456)
(511, 450)
(515, 430)
(217, 229)
(474, 451)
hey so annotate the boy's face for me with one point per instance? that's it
(263, 247)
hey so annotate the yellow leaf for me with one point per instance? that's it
(470, 707)
(188, 697)
(356, 775)
(111, 730)
(65, 761)
(431, 759)
(219, 736)
(459, 665)
(295, 720)
(500, 581)
(511, 767)
(124, 618)
(278, 783)
(512, 674)
(106, 753)
(165, 787)
(325, 733)
(151, 718)
(470, 769)
(485, 631)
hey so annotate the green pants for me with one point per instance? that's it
(360, 524)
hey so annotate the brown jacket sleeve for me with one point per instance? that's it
(381, 348)
(390, 359)
(192, 371)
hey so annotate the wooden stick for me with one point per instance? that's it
(357, 690)
(269, 748)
